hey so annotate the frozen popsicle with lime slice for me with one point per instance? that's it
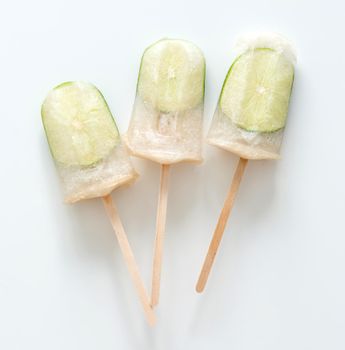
(85, 142)
(251, 114)
(90, 157)
(253, 104)
(166, 123)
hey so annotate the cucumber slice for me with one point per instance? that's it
(78, 123)
(256, 91)
(172, 75)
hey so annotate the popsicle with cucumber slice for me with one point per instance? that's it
(251, 114)
(90, 157)
(166, 123)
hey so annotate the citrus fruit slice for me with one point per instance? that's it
(79, 126)
(256, 91)
(172, 75)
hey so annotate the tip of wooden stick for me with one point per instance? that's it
(199, 288)
(154, 303)
(152, 319)
(155, 295)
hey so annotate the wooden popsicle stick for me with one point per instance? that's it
(222, 221)
(160, 230)
(129, 258)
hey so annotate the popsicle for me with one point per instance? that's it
(251, 114)
(90, 158)
(166, 123)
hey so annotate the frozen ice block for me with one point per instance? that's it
(84, 141)
(253, 104)
(166, 123)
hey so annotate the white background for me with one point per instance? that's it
(278, 282)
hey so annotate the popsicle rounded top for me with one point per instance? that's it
(84, 141)
(172, 75)
(253, 104)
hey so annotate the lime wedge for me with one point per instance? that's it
(172, 75)
(256, 91)
(78, 123)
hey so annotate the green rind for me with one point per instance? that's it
(66, 83)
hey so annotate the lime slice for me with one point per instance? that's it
(78, 123)
(257, 89)
(172, 75)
